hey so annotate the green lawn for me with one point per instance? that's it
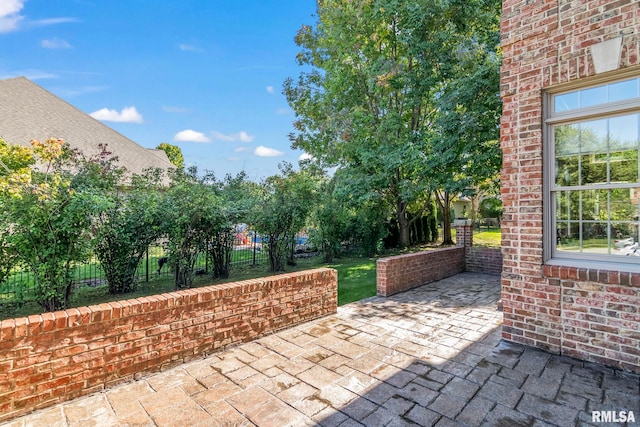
(487, 238)
(356, 279)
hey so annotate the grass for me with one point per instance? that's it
(356, 279)
(490, 237)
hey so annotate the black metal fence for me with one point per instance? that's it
(247, 250)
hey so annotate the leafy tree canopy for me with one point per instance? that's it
(398, 92)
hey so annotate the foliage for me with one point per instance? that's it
(402, 96)
(125, 228)
(281, 208)
(237, 196)
(174, 153)
(491, 207)
(361, 103)
(192, 216)
(329, 220)
(15, 162)
(50, 219)
(463, 149)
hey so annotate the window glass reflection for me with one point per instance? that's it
(623, 90)
(619, 91)
(593, 96)
(596, 176)
(567, 139)
(595, 238)
(567, 171)
(568, 101)
(593, 136)
(624, 166)
(624, 204)
(623, 131)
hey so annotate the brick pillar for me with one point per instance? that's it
(464, 233)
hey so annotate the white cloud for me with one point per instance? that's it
(127, 115)
(306, 156)
(52, 21)
(189, 48)
(10, 14)
(263, 151)
(241, 136)
(55, 43)
(245, 137)
(189, 135)
(270, 89)
(241, 149)
(30, 74)
(80, 91)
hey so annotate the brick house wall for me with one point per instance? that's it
(581, 312)
(54, 357)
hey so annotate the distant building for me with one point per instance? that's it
(570, 136)
(27, 112)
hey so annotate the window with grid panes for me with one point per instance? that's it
(592, 175)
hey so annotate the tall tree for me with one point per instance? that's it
(371, 100)
(283, 204)
(463, 149)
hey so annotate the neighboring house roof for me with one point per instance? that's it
(160, 153)
(27, 112)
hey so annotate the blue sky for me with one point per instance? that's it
(205, 75)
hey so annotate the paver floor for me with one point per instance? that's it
(429, 356)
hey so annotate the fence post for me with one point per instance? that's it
(255, 239)
(464, 233)
(147, 272)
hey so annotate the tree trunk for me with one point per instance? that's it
(403, 224)
(444, 203)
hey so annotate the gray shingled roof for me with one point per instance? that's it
(27, 111)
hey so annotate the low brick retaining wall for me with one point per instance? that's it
(58, 356)
(484, 260)
(403, 272)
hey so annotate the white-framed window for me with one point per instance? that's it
(592, 173)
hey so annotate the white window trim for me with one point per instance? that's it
(550, 255)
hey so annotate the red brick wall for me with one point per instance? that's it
(57, 356)
(483, 260)
(600, 314)
(403, 272)
(546, 43)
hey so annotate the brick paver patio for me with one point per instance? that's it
(429, 356)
